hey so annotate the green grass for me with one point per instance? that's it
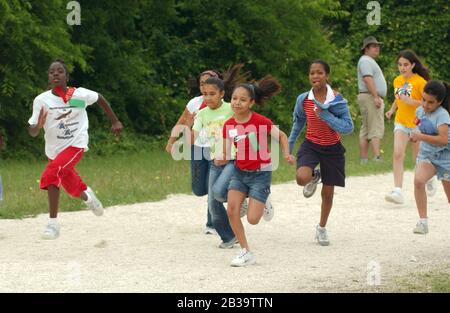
(149, 175)
(436, 281)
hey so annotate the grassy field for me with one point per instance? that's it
(149, 175)
(435, 281)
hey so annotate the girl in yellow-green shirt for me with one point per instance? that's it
(408, 89)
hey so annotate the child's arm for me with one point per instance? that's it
(340, 120)
(392, 109)
(283, 140)
(116, 124)
(33, 130)
(410, 101)
(298, 122)
(441, 139)
(185, 121)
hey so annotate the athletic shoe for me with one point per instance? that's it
(310, 188)
(322, 236)
(243, 259)
(93, 203)
(210, 231)
(432, 187)
(395, 196)
(268, 210)
(229, 244)
(51, 231)
(421, 228)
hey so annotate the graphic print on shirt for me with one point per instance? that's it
(406, 90)
(65, 127)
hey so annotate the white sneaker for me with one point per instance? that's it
(310, 188)
(421, 228)
(243, 259)
(51, 232)
(244, 208)
(210, 231)
(268, 210)
(432, 187)
(395, 196)
(322, 236)
(94, 204)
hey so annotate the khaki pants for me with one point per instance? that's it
(372, 117)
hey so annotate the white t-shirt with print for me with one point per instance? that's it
(193, 107)
(66, 125)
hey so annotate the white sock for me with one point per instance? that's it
(53, 221)
(398, 189)
(424, 220)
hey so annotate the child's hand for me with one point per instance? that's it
(414, 136)
(220, 162)
(116, 128)
(389, 114)
(317, 111)
(169, 148)
(290, 159)
(42, 118)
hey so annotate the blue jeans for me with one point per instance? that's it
(220, 186)
(221, 175)
(200, 175)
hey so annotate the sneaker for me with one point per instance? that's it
(229, 244)
(378, 159)
(243, 259)
(395, 196)
(244, 208)
(431, 187)
(210, 231)
(322, 236)
(268, 210)
(421, 228)
(51, 232)
(310, 188)
(94, 204)
(363, 161)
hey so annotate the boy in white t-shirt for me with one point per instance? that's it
(61, 111)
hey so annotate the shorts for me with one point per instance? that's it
(406, 130)
(372, 125)
(440, 160)
(331, 159)
(255, 184)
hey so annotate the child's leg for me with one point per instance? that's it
(415, 149)
(424, 171)
(327, 204)
(446, 185)
(255, 211)
(400, 142)
(235, 199)
(304, 175)
(53, 200)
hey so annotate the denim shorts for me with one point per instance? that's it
(406, 130)
(255, 184)
(440, 160)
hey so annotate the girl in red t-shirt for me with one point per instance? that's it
(253, 171)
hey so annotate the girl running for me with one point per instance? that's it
(408, 88)
(253, 173)
(326, 114)
(433, 121)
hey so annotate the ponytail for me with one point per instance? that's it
(231, 78)
(262, 90)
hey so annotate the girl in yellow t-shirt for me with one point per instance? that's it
(408, 89)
